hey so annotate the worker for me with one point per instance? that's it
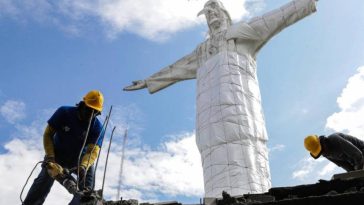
(344, 150)
(71, 132)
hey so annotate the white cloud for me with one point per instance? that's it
(21, 10)
(277, 147)
(351, 103)
(13, 111)
(174, 169)
(309, 170)
(328, 170)
(155, 20)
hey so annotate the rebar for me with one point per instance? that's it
(107, 158)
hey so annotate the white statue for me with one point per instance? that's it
(230, 128)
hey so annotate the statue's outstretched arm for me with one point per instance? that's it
(137, 85)
(273, 22)
(183, 69)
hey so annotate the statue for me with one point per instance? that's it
(230, 128)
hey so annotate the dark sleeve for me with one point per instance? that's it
(343, 164)
(355, 141)
(95, 133)
(56, 120)
(347, 148)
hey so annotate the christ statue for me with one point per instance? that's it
(230, 128)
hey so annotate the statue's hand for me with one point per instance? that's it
(138, 84)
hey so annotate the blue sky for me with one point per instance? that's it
(311, 79)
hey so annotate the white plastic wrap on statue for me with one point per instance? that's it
(231, 134)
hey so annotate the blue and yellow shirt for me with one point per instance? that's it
(71, 133)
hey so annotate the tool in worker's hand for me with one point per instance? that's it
(63, 176)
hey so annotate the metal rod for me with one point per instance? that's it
(101, 133)
(83, 146)
(122, 163)
(107, 119)
(107, 158)
(89, 157)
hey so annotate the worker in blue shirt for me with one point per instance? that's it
(342, 149)
(63, 139)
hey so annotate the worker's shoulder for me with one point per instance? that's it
(337, 136)
(343, 135)
(67, 108)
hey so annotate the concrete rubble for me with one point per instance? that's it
(342, 189)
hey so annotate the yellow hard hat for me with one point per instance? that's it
(312, 144)
(94, 99)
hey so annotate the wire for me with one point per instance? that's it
(26, 182)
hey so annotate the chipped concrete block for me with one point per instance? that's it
(349, 175)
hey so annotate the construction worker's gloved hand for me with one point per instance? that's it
(54, 170)
(48, 159)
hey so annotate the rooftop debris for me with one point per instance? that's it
(94, 198)
(347, 188)
(343, 189)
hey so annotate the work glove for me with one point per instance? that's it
(47, 159)
(54, 170)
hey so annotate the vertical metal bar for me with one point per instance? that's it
(83, 146)
(89, 157)
(103, 134)
(107, 158)
(122, 163)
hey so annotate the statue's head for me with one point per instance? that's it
(216, 15)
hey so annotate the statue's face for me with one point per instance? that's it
(215, 16)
